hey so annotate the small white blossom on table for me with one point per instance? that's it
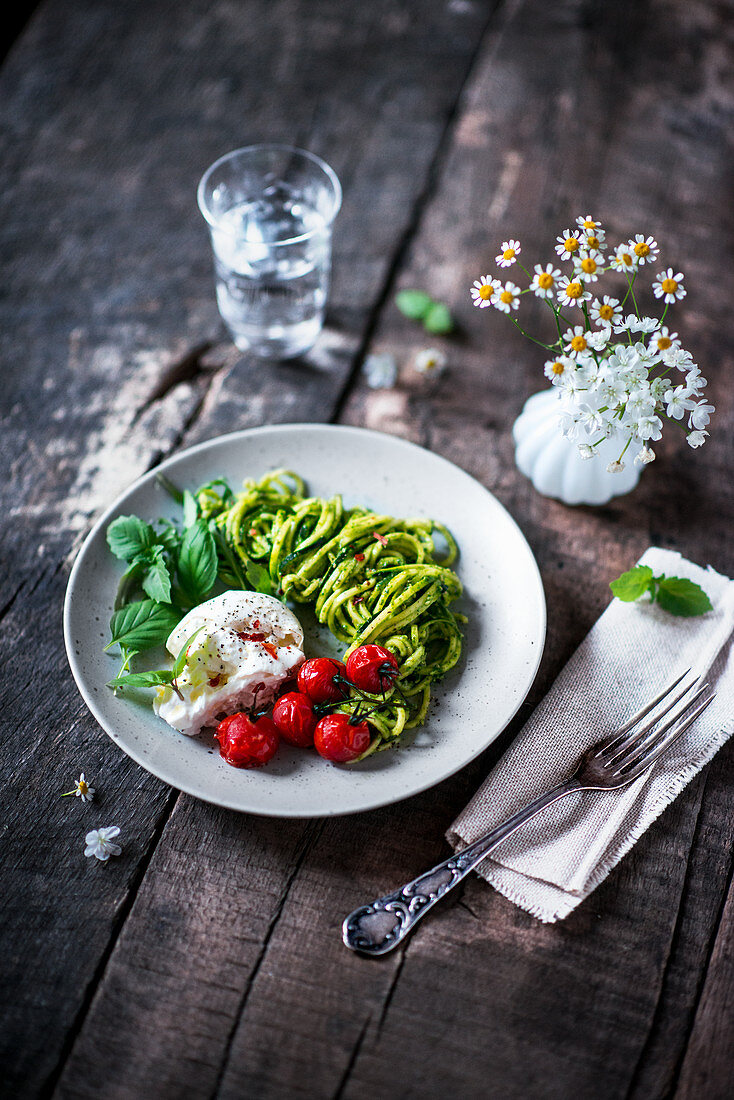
(100, 843)
(81, 790)
(430, 361)
(618, 376)
(380, 371)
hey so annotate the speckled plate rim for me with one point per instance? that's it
(526, 657)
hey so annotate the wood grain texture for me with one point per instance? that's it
(207, 960)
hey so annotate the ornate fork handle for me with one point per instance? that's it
(377, 928)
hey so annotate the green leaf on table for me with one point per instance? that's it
(413, 304)
(680, 596)
(142, 625)
(128, 536)
(632, 584)
(438, 319)
(197, 562)
(142, 679)
(157, 581)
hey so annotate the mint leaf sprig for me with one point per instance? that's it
(676, 595)
(416, 305)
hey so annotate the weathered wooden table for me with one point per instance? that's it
(207, 960)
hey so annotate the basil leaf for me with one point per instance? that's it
(180, 661)
(128, 536)
(142, 679)
(413, 304)
(680, 596)
(259, 577)
(190, 509)
(438, 319)
(197, 562)
(142, 625)
(157, 581)
(632, 584)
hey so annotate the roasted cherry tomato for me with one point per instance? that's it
(336, 739)
(372, 668)
(316, 679)
(247, 742)
(293, 714)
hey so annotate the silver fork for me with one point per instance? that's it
(377, 928)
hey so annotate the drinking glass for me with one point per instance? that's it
(270, 210)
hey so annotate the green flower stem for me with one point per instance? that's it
(548, 347)
(629, 290)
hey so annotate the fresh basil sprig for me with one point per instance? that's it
(677, 595)
(142, 625)
(198, 564)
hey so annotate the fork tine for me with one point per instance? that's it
(650, 753)
(642, 713)
(638, 745)
(638, 737)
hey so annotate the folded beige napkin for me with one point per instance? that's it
(554, 861)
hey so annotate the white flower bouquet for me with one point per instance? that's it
(618, 375)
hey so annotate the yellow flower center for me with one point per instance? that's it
(508, 254)
(83, 787)
(663, 342)
(571, 244)
(507, 297)
(669, 286)
(642, 249)
(486, 292)
(626, 259)
(606, 312)
(558, 368)
(588, 265)
(589, 224)
(592, 242)
(574, 290)
(578, 343)
(545, 280)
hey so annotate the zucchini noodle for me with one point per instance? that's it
(368, 577)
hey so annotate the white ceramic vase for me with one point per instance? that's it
(554, 464)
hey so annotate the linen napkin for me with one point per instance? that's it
(634, 650)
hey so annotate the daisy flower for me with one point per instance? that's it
(663, 340)
(509, 252)
(482, 291)
(507, 297)
(571, 291)
(624, 259)
(576, 341)
(593, 240)
(430, 361)
(555, 369)
(668, 286)
(544, 280)
(100, 843)
(586, 267)
(605, 311)
(645, 248)
(696, 439)
(81, 790)
(588, 224)
(568, 244)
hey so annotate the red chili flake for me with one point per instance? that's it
(359, 557)
(270, 648)
(250, 637)
(358, 599)
(256, 623)
(253, 531)
(215, 681)
(380, 538)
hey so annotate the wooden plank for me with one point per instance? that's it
(708, 1068)
(112, 361)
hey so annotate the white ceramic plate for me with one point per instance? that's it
(503, 638)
